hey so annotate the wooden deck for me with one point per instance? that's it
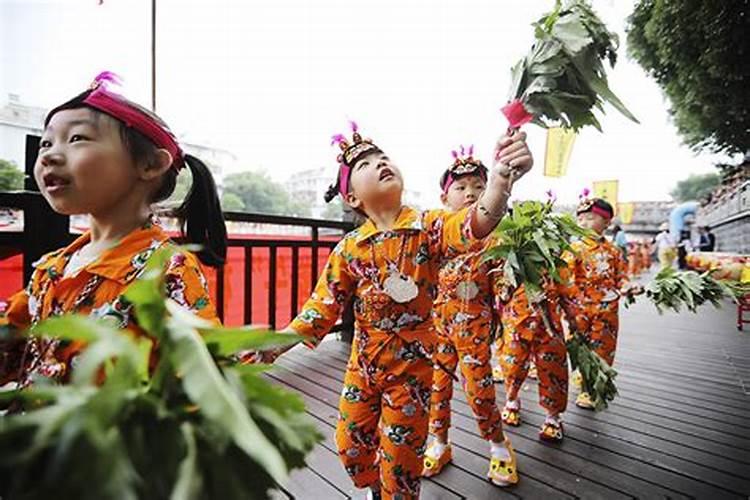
(680, 427)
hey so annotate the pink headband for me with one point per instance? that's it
(114, 105)
(344, 179)
(600, 211)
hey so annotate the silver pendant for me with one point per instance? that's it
(400, 288)
(467, 290)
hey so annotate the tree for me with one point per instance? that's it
(261, 194)
(697, 52)
(695, 187)
(11, 177)
(230, 202)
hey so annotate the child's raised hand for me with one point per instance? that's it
(512, 155)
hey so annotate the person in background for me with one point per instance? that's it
(707, 241)
(620, 240)
(684, 247)
(665, 249)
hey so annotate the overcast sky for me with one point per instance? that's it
(272, 80)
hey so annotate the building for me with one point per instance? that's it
(309, 187)
(16, 122)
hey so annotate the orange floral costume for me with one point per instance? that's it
(597, 273)
(526, 337)
(95, 290)
(464, 321)
(384, 405)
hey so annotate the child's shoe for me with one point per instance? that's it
(436, 457)
(503, 470)
(552, 430)
(584, 401)
(497, 374)
(512, 413)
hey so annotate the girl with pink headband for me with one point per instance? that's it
(388, 267)
(107, 157)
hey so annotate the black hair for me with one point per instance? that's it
(200, 216)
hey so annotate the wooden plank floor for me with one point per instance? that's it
(680, 427)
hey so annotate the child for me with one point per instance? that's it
(463, 313)
(389, 267)
(598, 277)
(528, 338)
(104, 156)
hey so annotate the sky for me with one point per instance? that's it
(272, 80)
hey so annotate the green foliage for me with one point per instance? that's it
(531, 242)
(230, 202)
(11, 177)
(260, 194)
(697, 52)
(695, 187)
(562, 80)
(672, 289)
(598, 377)
(195, 427)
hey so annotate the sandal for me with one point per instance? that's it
(497, 374)
(552, 430)
(434, 464)
(577, 380)
(584, 401)
(504, 472)
(511, 414)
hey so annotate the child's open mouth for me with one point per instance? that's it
(386, 174)
(54, 183)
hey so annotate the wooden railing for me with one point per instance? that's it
(44, 230)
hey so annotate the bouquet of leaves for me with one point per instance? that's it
(598, 378)
(563, 80)
(532, 241)
(196, 426)
(672, 289)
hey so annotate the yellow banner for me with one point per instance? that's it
(626, 211)
(606, 190)
(557, 154)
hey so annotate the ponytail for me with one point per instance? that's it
(201, 219)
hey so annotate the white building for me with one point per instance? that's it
(309, 187)
(16, 122)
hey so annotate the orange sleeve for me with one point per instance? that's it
(187, 285)
(334, 288)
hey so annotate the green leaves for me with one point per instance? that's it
(672, 289)
(531, 243)
(182, 429)
(598, 377)
(562, 80)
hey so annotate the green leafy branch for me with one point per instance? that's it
(191, 427)
(563, 79)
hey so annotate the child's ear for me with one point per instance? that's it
(157, 168)
(354, 202)
(444, 198)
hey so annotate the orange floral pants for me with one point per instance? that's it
(599, 324)
(530, 340)
(383, 419)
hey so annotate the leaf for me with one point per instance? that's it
(205, 386)
(227, 341)
(189, 477)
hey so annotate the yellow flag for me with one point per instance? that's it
(626, 211)
(606, 190)
(557, 154)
